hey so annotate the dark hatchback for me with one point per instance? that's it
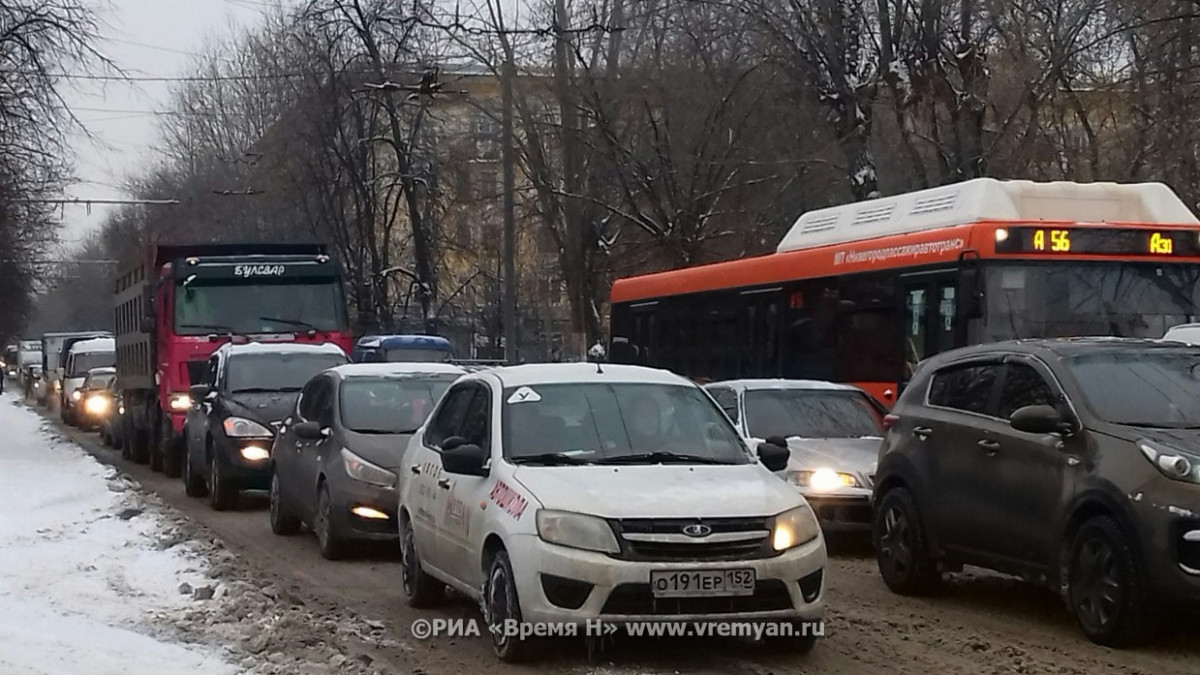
(247, 391)
(1073, 462)
(335, 460)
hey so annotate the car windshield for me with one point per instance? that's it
(390, 405)
(811, 414)
(276, 372)
(83, 362)
(99, 381)
(247, 308)
(1157, 387)
(617, 423)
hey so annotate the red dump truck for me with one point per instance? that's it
(175, 308)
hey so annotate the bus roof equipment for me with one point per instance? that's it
(988, 199)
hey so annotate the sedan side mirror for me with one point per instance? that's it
(199, 391)
(466, 460)
(774, 457)
(309, 431)
(1038, 419)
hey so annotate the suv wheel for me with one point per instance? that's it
(1105, 585)
(193, 485)
(221, 495)
(901, 546)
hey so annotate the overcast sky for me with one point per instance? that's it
(146, 38)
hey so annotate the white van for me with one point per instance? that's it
(1187, 333)
(572, 494)
(82, 357)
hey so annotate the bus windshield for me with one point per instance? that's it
(246, 308)
(1062, 299)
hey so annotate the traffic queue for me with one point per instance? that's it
(895, 370)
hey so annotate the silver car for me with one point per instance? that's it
(832, 430)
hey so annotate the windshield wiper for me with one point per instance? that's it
(662, 458)
(549, 458)
(210, 326)
(263, 390)
(291, 322)
(1156, 425)
(384, 431)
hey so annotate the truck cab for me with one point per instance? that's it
(185, 302)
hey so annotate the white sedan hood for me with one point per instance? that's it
(660, 491)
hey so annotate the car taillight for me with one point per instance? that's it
(889, 420)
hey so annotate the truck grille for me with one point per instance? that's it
(664, 540)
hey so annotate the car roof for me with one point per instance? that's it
(399, 341)
(93, 345)
(1064, 346)
(807, 385)
(106, 370)
(230, 349)
(353, 370)
(581, 373)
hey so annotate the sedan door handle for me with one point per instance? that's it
(922, 432)
(991, 446)
(444, 483)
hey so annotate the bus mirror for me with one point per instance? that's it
(972, 292)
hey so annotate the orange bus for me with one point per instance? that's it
(861, 293)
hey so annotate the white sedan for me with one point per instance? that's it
(569, 493)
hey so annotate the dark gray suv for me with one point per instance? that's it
(1072, 462)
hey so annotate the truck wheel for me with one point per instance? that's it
(155, 453)
(135, 439)
(122, 436)
(168, 449)
(220, 495)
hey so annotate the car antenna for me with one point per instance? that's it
(597, 353)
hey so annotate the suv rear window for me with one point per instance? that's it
(967, 387)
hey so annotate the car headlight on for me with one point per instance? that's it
(365, 472)
(179, 401)
(255, 453)
(57, 385)
(240, 427)
(576, 530)
(793, 528)
(1172, 462)
(96, 405)
(823, 480)
(76, 395)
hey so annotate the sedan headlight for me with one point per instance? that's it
(794, 528)
(240, 427)
(96, 405)
(823, 480)
(179, 401)
(576, 530)
(1172, 462)
(76, 395)
(365, 472)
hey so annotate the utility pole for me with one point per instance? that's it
(571, 212)
(510, 218)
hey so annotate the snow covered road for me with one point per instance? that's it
(81, 571)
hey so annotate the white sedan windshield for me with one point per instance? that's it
(617, 423)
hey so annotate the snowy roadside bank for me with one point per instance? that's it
(99, 578)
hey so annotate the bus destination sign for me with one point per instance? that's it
(1098, 241)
